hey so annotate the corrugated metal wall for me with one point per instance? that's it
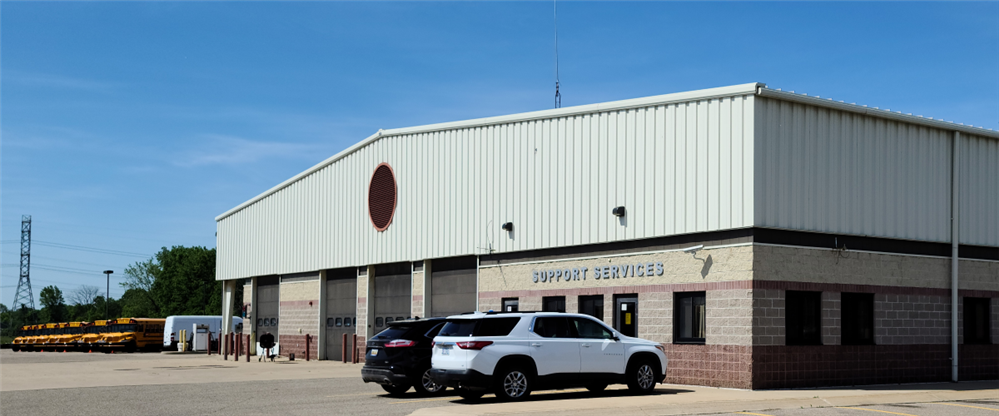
(677, 168)
(821, 169)
(979, 190)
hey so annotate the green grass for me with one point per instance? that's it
(6, 339)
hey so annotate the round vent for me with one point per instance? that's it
(382, 197)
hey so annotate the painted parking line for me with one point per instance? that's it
(965, 405)
(749, 413)
(876, 410)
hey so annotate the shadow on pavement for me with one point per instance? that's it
(542, 395)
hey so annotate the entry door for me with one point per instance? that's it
(341, 309)
(626, 314)
(393, 294)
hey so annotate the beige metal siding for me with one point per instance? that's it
(677, 167)
(821, 169)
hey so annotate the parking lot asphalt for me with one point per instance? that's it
(164, 383)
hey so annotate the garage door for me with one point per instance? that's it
(268, 297)
(452, 286)
(393, 289)
(341, 309)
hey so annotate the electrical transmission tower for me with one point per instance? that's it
(24, 295)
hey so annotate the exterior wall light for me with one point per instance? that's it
(507, 226)
(618, 212)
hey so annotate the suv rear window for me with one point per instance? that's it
(489, 327)
(393, 332)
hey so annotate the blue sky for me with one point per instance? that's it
(127, 127)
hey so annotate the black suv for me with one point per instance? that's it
(399, 357)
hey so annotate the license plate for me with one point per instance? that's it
(445, 351)
(374, 351)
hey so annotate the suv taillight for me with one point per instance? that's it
(473, 345)
(396, 343)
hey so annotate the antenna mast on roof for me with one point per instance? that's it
(558, 96)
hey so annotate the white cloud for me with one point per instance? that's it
(57, 81)
(231, 150)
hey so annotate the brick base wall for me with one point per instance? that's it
(710, 365)
(836, 365)
(296, 344)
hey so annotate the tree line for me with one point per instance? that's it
(176, 281)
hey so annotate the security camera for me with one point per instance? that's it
(692, 250)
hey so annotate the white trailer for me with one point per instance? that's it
(171, 332)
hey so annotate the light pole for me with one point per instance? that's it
(107, 294)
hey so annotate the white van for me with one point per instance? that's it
(175, 323)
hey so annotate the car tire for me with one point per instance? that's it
(596, 387)
(513, 384)
(426, 386)
(395, 390)
(642, 377)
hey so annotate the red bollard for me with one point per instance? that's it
(247, 347)
(239, 349)
(225, 347)
(306, 347)
(354, 354)
(343, 349)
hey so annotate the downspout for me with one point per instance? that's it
(954, 253)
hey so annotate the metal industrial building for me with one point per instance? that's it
(768, 239)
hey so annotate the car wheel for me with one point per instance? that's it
(596, 387)
(395, 390)
(427, 386)
(642, 377)
(470, 395)
(514, 383)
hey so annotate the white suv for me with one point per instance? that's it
(512, 354)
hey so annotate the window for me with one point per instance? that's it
(858, 318)
(496, 327)
(553, 327)
(976, 321)
(433, 331)
(592, 305)
(348, 320)
(488, 327)
(587, 328)
(511, 304)
(458, 328)
(339, 322)
(688, 318)
(379, 322)
(802, 318)
(553, 304)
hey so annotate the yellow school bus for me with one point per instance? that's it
(71, 334)
(31, 340)
(20, 343)
(132, 334)
(47, 339)
(94, 333)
